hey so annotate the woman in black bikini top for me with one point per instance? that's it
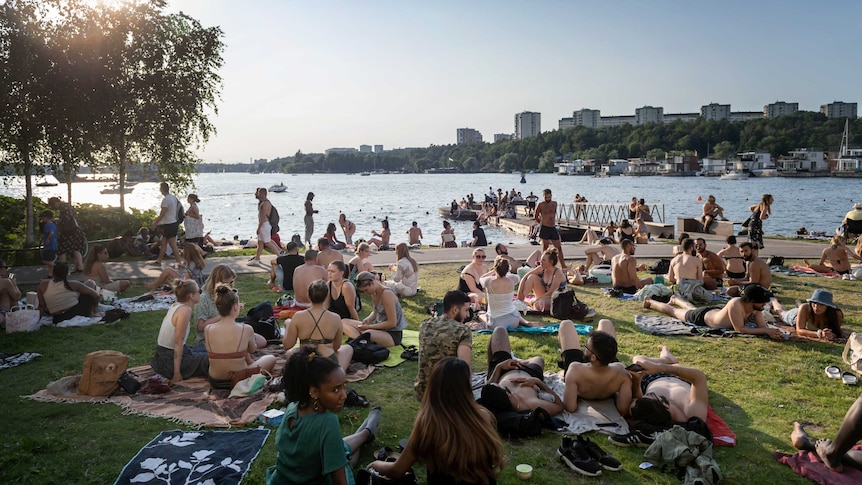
(317, 320)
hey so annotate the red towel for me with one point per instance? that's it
(721, 432)
(808, 465)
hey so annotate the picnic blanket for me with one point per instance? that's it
(799, 270)
(408, 337)
(591, 415)
(808, 465)
(549, 328)
(665, 325)
(628, 297)
(722, 435)
(7, 361)
(185, 458)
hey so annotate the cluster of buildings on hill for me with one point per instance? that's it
(362, 149)
(529, 124)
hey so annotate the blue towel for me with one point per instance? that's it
(549, 328)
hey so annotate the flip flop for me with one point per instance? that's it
(833, 372)
(849, 378)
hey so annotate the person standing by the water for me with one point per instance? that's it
(72, 239)
(309, 218)
(264, 226)
(546, 216)
(167, 222)
(759, 212)
(194, 223)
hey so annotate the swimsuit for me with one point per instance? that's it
(338, 305)
(735, 275)
(649, 379)
(462, 284)
(549, 232)
(629, 290)
(315, 341)
(698, 315)
(534, 370)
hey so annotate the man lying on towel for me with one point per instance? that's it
(514, 384)
(733, 315)
(593, 373)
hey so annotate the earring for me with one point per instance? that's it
(315, 405)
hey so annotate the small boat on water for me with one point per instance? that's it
(115, 189)
(46, 184)
(734, 175)
(364, 174)
(278, 188)
(458, 215)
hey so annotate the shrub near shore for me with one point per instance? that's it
(758, 386)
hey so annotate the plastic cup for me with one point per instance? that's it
(659, 280)
(786, 335)
(525, 472)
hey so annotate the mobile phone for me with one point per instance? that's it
(11, 276)
(635, 368)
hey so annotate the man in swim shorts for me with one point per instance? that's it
(624, 273)
(515, 384)
(546, 216)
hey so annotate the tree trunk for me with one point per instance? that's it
(29, 225)
(68, 183)
(122, 180)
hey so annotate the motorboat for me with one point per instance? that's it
(46, 184)
(364, 174)
(278, 188)
(734, 175)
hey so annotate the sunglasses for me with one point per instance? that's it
(480, 256)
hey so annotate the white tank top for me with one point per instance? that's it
(59, 298)
(167, 332)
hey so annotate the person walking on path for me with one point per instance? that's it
(546, 216)
(194, 223)
(759, 212)
(168, 225)
(309, 218)
(72, 240)
(264, 227)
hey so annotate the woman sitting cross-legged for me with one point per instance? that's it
(817, 319)
(94, 268)
(405, 277)
(319, 327)
(309, 443)
(175, 359)
(499, 286)
(381, 239)
(541, 282)
(229, 343)
(193, 268)
(206, 312)
(342, 299)
(64, 299)
(387, 316)
(453, 436)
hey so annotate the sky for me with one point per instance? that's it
(302, 75)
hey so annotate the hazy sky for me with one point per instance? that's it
(310, 75)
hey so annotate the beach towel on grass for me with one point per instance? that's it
(8, 361)
(186, 458)
(591, 415)
(628, 297)
(797, 270)
(722, 435)
(808, 465)
(552, 328)
(665, 325)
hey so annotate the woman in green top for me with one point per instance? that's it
(309, 443)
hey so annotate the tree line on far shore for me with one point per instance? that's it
(717, 139)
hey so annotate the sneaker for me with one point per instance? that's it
(254, 261)
(635, 438)
(596, 453)
(575, 456)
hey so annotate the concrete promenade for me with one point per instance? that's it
(137, 271)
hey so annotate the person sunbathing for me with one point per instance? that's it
(817, 319)
(194, 264)
(541, 281)
(319, 327)
(835, 258)
(94, 268)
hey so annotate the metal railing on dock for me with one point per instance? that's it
(596, 214)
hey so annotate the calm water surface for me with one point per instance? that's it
(229, 207)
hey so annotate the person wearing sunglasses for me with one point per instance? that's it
(471, 274)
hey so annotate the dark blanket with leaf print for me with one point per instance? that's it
(204, 457)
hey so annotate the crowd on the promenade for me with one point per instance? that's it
(656, 390)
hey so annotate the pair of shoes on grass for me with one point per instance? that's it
(849, 378)
(586, 457)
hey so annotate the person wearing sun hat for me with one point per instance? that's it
(819, 318)
(743, 314)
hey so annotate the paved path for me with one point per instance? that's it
(139, 270)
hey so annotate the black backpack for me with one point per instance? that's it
(181, 212)
(662, 266)
(523, 424)
(776, 261)
(366, 351)
(274, 218)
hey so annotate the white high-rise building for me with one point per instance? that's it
(527, 124)
(364, 148)
(378, 148)
(715, 111)
(779, 108)
(649, 114)
(503, 137)
(839, 109)
(468, 135)
(591, 118)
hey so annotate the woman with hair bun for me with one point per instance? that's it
(308, 440)
(230, 343)
(453, 436)
(499, 286)
(175, 359)
(319, 327)
(541, 282)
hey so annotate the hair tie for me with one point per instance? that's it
(311, 356)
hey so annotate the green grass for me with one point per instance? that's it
(758, 386)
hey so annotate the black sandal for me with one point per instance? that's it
(410, 353)
(356, 400)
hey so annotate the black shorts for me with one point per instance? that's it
(698, 315)
(846, 271)
(549, 232)
(396, 335)
(649, 379)
(569, 356)
(628, 290)
(49, 255)
(734, 275)
(500, 356)
(170, 230)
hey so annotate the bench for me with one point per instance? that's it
(691, 224)
(659, 230)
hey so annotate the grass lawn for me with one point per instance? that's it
(758, 386)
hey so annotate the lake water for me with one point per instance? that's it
(229, 207)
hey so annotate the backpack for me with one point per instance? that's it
(776, 261)
(522, 424)
(181, 212)
(565, 305)
(274, 218)
(662, 266)
(101, 372)
(366, 351)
